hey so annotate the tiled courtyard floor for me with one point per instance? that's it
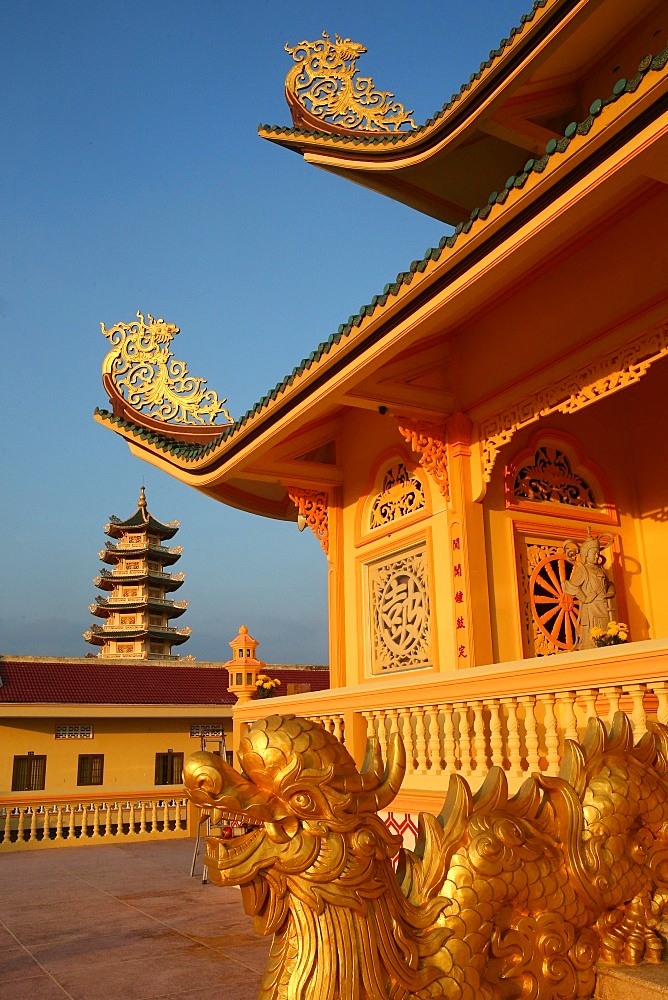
(122, 922)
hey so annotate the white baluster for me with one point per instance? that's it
(495, 734)
(514, 757)
(613, 695)
(407, 736)
(479, 739)
(449, 741)
(382, 733)
(530, 732)
(434, 746)
(464, 737)
(638, 716)
(661, 691)
(420, 740)
(589, 696)
(551, 732)
(33, 824)
(566, 700)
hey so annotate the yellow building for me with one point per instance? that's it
(481, 448)
(81, 739)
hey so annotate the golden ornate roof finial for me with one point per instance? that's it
(324, 86)
(142, 371)
(142, 498)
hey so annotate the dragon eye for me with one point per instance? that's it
(303, 802)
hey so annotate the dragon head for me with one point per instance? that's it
(299, 788)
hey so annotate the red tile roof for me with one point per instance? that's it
(63, 682)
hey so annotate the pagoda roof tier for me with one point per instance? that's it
(141, 520)
(414, 351)
(103, 607)
(515, 103)
(160, 553)
(99, 634)
(108, 580)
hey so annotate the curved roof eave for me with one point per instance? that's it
(517, 198)
(401, 149)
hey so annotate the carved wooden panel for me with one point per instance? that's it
(400, 611)
(401, 494)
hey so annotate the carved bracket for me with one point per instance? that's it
(428, 440)
(312, 507)
(600, 377)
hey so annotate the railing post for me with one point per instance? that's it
(638, 716)
(530, 732)
(551, 732)
(449, 742)
(495, 734)
(434, 745)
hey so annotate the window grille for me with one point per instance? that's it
(168, 768)
(91, 769)
(213, 730)
(83, 731)
(29, 773)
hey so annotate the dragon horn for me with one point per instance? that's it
(373, 799)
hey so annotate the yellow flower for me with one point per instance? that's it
(596, 632)
(613, 628)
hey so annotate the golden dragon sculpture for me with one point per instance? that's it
(502, 898)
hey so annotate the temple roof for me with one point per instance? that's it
(518, 99)
(100, 634)
(103, 607)
(159, 553)
(66, 682)
(141, 519)
(108, 580)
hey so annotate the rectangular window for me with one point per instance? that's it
(84, 731)
(91, 768)
(168, 768)
(125, 647)
(29, 773)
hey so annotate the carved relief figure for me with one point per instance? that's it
(589, 583)
(502, 899)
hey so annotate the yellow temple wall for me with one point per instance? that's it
(370, 444)
(129, 746)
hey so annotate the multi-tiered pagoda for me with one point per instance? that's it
(138, 608)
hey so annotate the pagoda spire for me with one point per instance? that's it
(139, 606)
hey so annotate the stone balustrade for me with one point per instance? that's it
(38, 821)
(513, 715)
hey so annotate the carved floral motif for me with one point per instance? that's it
(609, 373)
(312, 509)
(551, 479)
(428, 440)
(402, 494)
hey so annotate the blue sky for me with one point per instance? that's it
(132, 177)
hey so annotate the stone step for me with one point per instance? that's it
(636, 982)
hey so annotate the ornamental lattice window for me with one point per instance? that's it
(80, 731)
(401, 494)
(400, 612)
(550, 478)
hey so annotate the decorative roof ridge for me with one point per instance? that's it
(400, 138)
(191, 452)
